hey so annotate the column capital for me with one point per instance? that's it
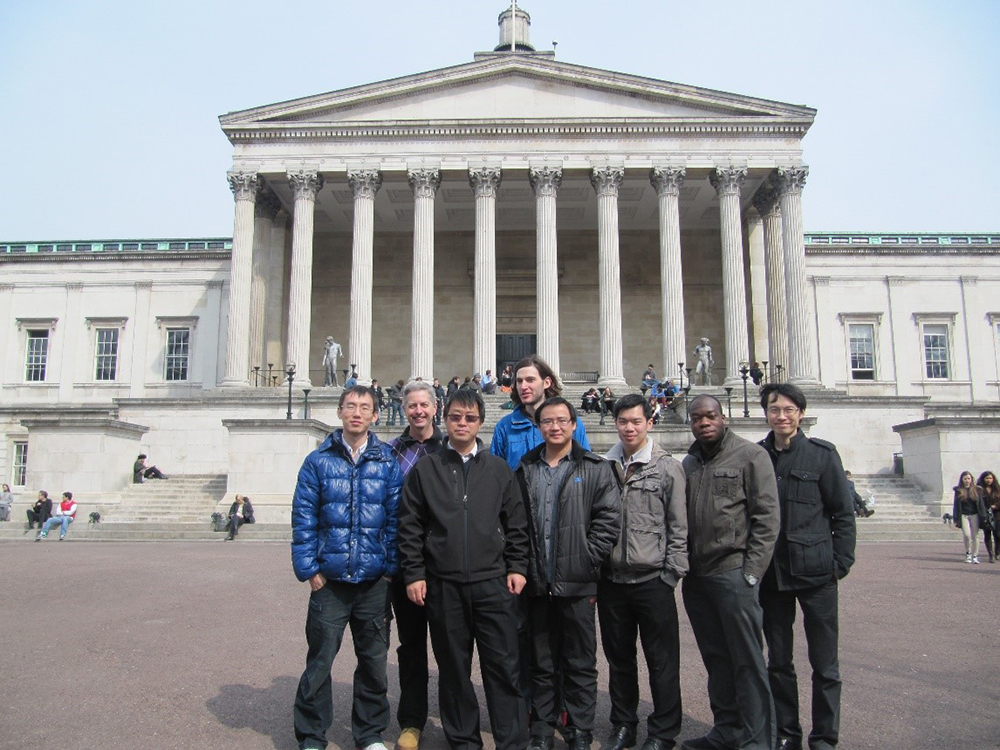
(765, 200)
(791, 180)
(485, 181)
(667, 180)
(305, 184)
(545, 181)
(607, 180)
(267, 205)
(727, 180)
(424, 182)
(245, 185)
(365, 182)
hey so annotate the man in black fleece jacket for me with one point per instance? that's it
(463, 545)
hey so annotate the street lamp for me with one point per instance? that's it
(270, 377)
(779, 368)
(680, 366)
(290, 372)
(305, 408)
(744, 372)
(765, 371)
(729, 400)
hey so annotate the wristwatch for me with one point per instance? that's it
(751, 579)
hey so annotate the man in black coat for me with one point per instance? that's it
(463, 545)
(815, 549)
(574, 517)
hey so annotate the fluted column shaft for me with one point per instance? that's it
(305, 185)
(265, 211)
(424, 183)
(801, 363)
(365, 184)
(606, 182)
(485, 182)
(727, 182)
(667, 181)
(766, 203)
(245, 188)
(545, 182)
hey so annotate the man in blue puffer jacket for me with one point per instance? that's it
(344, 517)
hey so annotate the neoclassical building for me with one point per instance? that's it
(447, 222)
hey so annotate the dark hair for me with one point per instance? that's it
(630, 401)
(554, 401)
(708, 396)
(68, 495)
(792, 392)
(361, 390)
(468, 398)
(959, 485)
(544, 371)
(982, 479)
(44, 494)
(142, 455)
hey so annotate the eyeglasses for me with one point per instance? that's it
(787, 411)
(467, 418)
(561, 421)
(352, 408)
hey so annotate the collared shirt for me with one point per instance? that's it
(550, 480)
(641, 456)
(355, 454)
(466, 457)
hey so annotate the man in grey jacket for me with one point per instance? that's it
(733, 520)
(636, 591)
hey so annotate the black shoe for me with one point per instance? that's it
(581, 741)
(541, 743)
(787, 743)
(701, 743)
(655, 743)
(620, 738)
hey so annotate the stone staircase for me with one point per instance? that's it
(902, 512)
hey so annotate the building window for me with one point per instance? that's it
(106, 354)
(19, 478)
(37, 356)
(177, 354)
(936, 351)
(862, 340)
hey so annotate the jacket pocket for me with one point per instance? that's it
(646, 548)
(804, 485)
(810, 554)
(726, 483)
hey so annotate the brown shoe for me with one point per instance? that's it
(409, 739)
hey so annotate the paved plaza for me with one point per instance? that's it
(184, 645)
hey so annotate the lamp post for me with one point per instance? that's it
(744, 372)
(290, 372)
(305, 406)
(765, 371)
(256, 375)
(729, 400)
(680, 366)
(779, 368)
(270, 377)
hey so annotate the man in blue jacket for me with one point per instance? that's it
(344, 517)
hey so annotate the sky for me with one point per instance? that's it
(109, 109)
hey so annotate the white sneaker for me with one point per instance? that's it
(375, 746)
(975, 560)
(968, 558)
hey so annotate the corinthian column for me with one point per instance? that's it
(265, 211)
(606, 182)
(727, 182)
(245, 188)
(424, 183)
(667, 181)
(305, 185)
(765, 200)
(545, 182)
(801, 363)
(485, 182)
(365, 184)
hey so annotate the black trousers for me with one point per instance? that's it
(646, 610)
(38, 517)
(235, 522)
(411, 627)
(819, 617)
(563, 656)
(480, 613)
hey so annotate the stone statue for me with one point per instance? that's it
(704, 354)
(331, 351)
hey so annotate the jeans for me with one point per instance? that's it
(395, 412)
(563, 646)
(235, 522)
(726, 618)
(648, 611)
(411, 626)
(482, 614)
(62, 521)
(819, 616)
(365, 606)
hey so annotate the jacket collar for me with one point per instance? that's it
(797, 439)
(696, 449)
(436, 438)
(334, 443)
(577, 453)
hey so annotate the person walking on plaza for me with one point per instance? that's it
(968, 511)
(814, 550)
(463, 545)
(420, 438)
(636, 593)
(990, 490)
(574, 516)
(733, 521)
(64, 515)
(344, 519)
(39, 512)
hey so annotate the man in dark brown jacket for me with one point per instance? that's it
(733, 521)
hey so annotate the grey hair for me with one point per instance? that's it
(419, 385)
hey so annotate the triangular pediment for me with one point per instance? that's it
(515, 87)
